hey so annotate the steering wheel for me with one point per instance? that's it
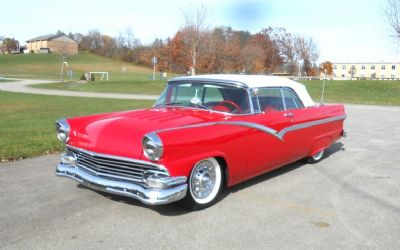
(231, 105)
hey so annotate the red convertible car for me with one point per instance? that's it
(203, 133)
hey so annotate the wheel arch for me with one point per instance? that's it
(225, 170)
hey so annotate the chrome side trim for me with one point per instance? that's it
(262, 128)
(279, 135)
(161, 167)
(151, 196)
(282, 133)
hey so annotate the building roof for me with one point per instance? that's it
(46, 37)
(255, 81)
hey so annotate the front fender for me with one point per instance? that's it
(183, 148)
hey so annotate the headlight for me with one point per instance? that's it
(62, 128)
(152, 146)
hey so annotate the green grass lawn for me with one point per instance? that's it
(3, 80)
(48, 66)
(27, 121)
(139, 84)
(372, 92)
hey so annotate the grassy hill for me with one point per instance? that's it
(48, 66)
(123, 77)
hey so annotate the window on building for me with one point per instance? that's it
(343, 66)
(392, 76)
(362, 75)
(382, 67)
(393, 67)
(353, 66)
(334, 66)
(372, 66)
(382, 76)
(334, 75)
(343, 75)
(362, 66)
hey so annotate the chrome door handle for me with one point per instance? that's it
(288, 114)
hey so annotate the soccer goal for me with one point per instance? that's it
(103, 74)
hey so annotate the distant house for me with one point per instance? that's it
(366, 70)
(54, 43)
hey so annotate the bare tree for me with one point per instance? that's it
(392, 12)
(77, 37)
(130, 41)
(193, 30)
(1, 44)
(307, 52)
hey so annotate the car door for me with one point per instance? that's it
(266, 150)
(297, 139)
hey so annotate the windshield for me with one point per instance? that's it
(210, 96)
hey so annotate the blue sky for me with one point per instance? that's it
(345, 31)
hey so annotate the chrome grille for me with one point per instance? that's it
(113, 168)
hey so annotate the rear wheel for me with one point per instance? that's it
(205, 183)
(316, 157)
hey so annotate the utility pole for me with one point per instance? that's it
(154, 61)
(323, 88)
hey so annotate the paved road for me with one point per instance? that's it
(350, 200)
(22, 86)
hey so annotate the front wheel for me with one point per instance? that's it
(316, 157)
(205, 183)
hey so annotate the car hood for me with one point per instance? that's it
(121, 133)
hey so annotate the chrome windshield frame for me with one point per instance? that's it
(231, 84)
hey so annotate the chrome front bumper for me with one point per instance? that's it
(173, 188)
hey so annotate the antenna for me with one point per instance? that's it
(323, 88)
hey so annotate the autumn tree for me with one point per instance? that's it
(193, 30)
(220, 50)
(9, 45)
(109, 46)
(326, 67)
(179, 53)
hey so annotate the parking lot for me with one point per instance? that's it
(350, 200)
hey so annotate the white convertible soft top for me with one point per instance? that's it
(258, 81)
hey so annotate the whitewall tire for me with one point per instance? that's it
(204, 185)
(316, 157)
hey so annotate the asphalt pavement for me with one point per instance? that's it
(23, 86)
(350, 200)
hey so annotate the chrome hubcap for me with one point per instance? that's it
(203, 180)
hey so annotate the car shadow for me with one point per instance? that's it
(174, 209)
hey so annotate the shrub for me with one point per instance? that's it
(92, 78)
(83, 77)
